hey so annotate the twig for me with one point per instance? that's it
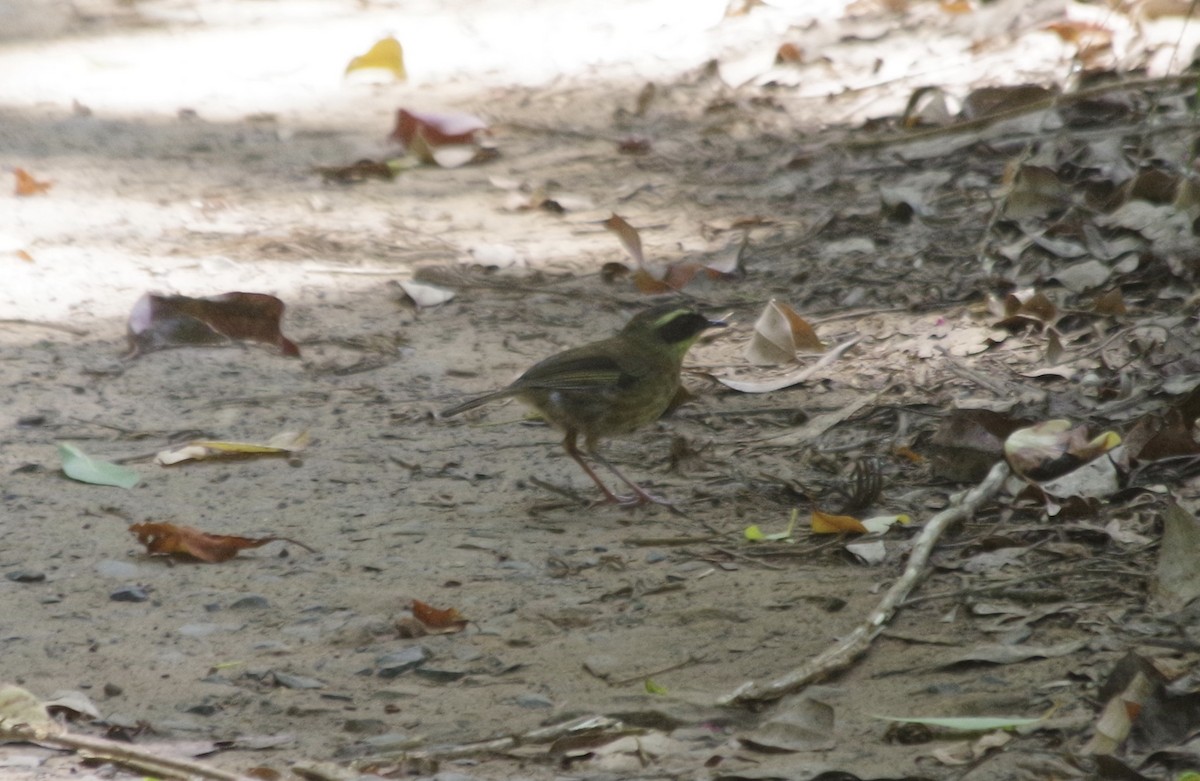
(667, 541)
(692, 659)
(123, 754)
(587, 725)
(757, 562)
(66, 329)
(1007, 588)
(859, 640)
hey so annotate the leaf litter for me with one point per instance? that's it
(1040, 273)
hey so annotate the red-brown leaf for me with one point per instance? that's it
(435, 130)
(27, 185)
(158, 322)
(448, 620)
(167, 539)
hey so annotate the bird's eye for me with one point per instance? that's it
(681, 327)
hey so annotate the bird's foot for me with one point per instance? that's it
(638, 498)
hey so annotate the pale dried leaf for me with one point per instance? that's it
(1177, 578)
(425, 295)
(778, 334)
(20, 710)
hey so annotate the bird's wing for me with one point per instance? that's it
(586, 372)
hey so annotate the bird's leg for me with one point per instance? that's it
(572, 449)
(640, 495)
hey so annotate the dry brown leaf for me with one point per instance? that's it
(1081, 33)
(645, 97)
(669, 278)
(447, 140)
(645, 282)
(1053, 448)
(169, 539)
(826, 523)
(631, 240)
(27, 185)
(987, 101)
(778, 334)
(1034, 191)
(634, 145)
(1054, 346)
(447, 621)
(1035, 310)
(1111, 303)
(790, 53)
(1158, 435)
(358, 171)
(157, 322)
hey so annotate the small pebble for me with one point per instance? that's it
(399, 662)
(289, 681)
(534, 701)
(204, 709)
(390, 741)
(250, 602)
(26, 576)
(364, 726)
(450, 775)
(201, 630)
(439, 676)
(129, 594)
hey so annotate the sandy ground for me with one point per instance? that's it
(180, 140)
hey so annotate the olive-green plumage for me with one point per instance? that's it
(609, 387)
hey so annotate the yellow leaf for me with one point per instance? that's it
(283, 443)
(755, 534)
(386, 54)
(824, 523)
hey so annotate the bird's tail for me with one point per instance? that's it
(478, 401)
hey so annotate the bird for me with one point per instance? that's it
(609, 387)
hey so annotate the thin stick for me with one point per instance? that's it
(586, 725)
(123, 754)
(858, 641)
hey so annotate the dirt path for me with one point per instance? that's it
(200, 181)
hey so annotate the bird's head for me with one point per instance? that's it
(675, 325)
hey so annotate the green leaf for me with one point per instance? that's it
(77, 465)
(968, 723)
(654, 688)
